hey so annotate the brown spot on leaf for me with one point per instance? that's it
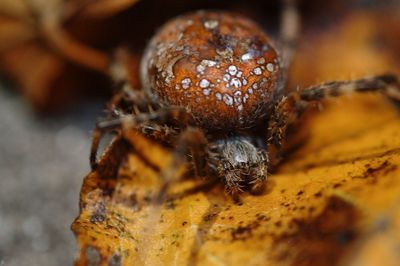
(318, 194)
(244, 232)
(324, 239)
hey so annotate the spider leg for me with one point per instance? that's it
(289, 30)
(278, 123)
(233, 185)
(260, 173)
(130, 97)
(191, 141)
(290, 108)
(285, 114)
(96, 137)
(160, 132)
(388, 84)
(141, 121)
(127, 94)
(135, 120)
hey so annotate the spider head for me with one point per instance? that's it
(242, 163)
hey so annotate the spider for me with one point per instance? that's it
(213, 89)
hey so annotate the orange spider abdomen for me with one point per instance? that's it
(221, 67)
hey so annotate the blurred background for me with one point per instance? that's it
(55, 79)
(42, 164)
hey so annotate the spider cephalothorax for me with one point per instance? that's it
(213, 90)
(241, 160)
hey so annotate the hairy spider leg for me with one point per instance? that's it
(191, 141)
(139, 121)
(290, 108)
(386, 84)
(126, 93)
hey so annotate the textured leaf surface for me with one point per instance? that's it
(334, 201)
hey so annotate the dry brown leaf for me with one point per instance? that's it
(14, 8)
(106, 8)
(13, 32)
(335, 201)
(47, 49)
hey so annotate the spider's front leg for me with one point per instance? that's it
(260, 173)
(285, 114)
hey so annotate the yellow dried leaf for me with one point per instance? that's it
(323, 200)
(334, 201)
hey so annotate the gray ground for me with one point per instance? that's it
(42, 164)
